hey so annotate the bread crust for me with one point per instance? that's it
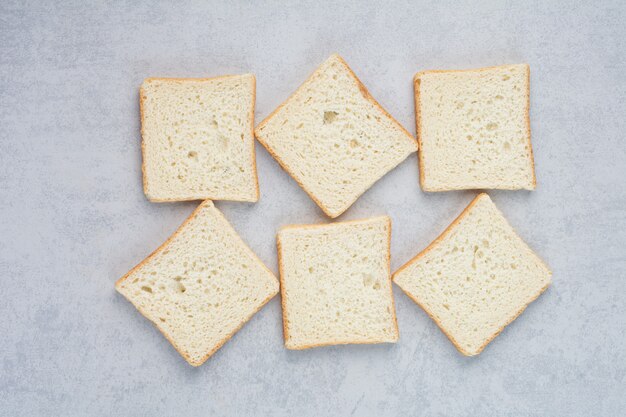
(418, 124)
(254, 199)
(430, 314)
(162, 247)
(284, 166)
(282, 286)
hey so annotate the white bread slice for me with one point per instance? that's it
(335, 283)
(475, 278)
(201, 285)
(198, 140)
(333, 138)
(474, 129)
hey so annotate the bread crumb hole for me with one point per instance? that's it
(507, 146)
(192, 154)
(446, 306)
(162, 319)
(492, 126)
(146, 289)
(505, 77)
(223, 142)
(330, 116)
(499, 97)
(354, 143)
(310, 270)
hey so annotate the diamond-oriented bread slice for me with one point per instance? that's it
(335, 283)
(201, 285)
(473, 129)
(475, 278)
(333, 138)
(197, 138)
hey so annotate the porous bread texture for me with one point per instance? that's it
(475, 278)
(333, 138)
(473, 129)
(335, 283)
(201, 285)
(198, 138)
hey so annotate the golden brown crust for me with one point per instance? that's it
(417, 84)
(430, 314)
(199, 197)
(143, 142)
(228, 337)
(252, 150)
(393, 303)
(444, 234)
(366, 94)
(323, 225)
(433, 318)
(284, 166)
(530, 146)
(363, 342)
(286, 169)
(418, 130)
(281, 274)
(158, 250)
(513, 317)
(282, 286)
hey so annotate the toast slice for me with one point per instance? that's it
(200, 286)
(335, 283)
(333, 138)
(198, 140)
(474, 129)
(475, 278)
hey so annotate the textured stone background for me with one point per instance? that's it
(73, 217)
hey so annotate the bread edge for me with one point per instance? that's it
(252, 199)
(442, 236)
(418, 128)
(282, 287)
(160, 249)
(367, 96)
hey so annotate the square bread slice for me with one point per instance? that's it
(473, 129)
(198, 138)
(333, 138)
(201, 285)
(475, 278)
(335, 283)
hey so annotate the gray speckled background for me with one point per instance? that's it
(73, 217)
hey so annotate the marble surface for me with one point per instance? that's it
(73, 217)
